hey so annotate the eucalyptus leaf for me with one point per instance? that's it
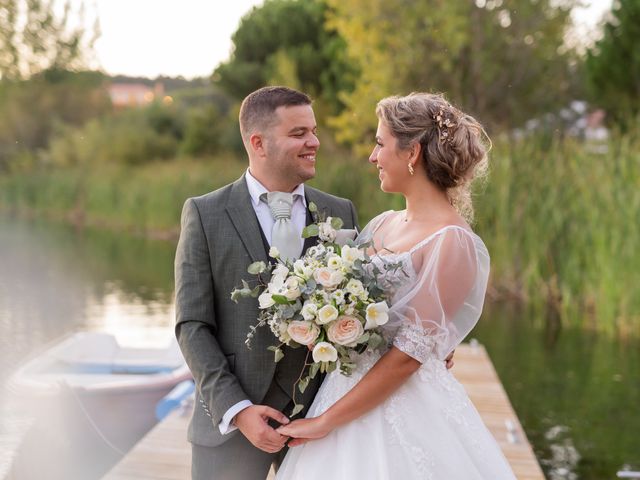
(313, 207)
(331, 366)
(336, 223)
(374, 341)
(236, 295)
(348, 366)
(278, 355)
(255, 293)
(296, 409)
(280, 299)
(313, 371)
(310, 231)
(363, 338)
(256, 268)
(303, 384)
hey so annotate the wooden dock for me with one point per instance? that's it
(165, 454)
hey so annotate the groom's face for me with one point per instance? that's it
(291, 145)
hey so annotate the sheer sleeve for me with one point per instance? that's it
(443, 303)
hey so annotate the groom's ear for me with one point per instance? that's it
(256, 141)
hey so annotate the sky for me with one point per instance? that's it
(165, 37)
(191, 37)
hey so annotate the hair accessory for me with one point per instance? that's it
(411, 170)
(445, 127)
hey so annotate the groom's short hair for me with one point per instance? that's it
(258, 108)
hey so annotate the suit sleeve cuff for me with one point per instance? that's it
(225, 425)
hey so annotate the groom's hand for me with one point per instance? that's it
(252, 422)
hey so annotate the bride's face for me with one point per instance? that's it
(389, 160)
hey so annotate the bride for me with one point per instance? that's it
(401, 414)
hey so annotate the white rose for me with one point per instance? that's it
(328, 278)
(327, 232)
(350, 309)
(283, 333)
(316, 251)
(338, 297)
(276, 285)
(309, 311)
(292, 288)
(274, 252)
(280, 271)
(303, 270)
(327, 314)
(351, 254)
(334, 262)
(354, 287)
(320, 298)
(377, 315)
(305, 333)
(265, 300)
(345, 331)
(324, 352)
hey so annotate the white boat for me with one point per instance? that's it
(92, 400)
(94, 363)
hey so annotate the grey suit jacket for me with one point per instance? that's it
(220, 236)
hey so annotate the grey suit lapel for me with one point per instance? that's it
(243, 217)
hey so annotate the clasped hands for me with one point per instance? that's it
(253, 423)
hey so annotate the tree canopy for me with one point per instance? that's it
(613, 65)
(503, 62)
(286, 42)
(34, 39)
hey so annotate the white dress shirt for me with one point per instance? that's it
(266, 221)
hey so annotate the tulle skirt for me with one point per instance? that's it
(428, 429)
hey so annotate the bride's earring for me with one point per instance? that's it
(411, 170)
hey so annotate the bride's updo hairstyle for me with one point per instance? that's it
(454, 144)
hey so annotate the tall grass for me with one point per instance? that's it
(560, 222)
(145, 199)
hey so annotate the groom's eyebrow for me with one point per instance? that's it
(302, 129)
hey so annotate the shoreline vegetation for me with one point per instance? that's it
(558, 218)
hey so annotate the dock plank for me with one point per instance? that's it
(165, 454)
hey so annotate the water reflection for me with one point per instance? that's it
(576, 396)
(54, 281)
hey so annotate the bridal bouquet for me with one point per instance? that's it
(329, 301)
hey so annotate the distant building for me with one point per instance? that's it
(124, 95)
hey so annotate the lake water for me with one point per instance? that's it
(576, 394)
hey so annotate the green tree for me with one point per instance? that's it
(502, 61)
(286, 41)
(33, 110)
(34, 39)
(613, 65)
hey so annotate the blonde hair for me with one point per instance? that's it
(454, 145)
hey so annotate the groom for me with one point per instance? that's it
(241, 393)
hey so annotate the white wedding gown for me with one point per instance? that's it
(427, 429)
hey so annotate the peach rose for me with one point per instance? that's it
(345, 331)
(302, 332)
(328, 278)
